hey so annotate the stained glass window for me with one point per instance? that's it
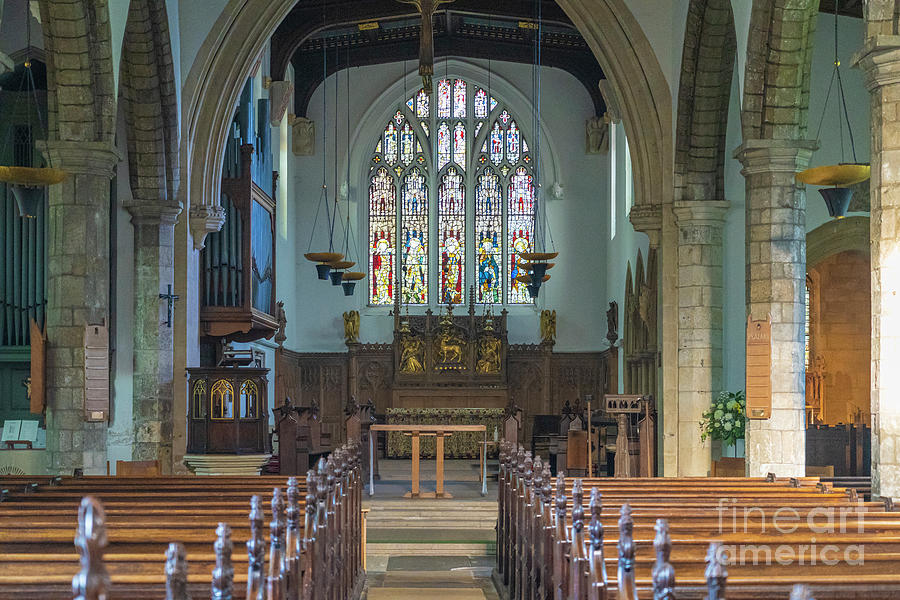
(489, 237)
(443, 145)
(407, 144)
(443, 99)
(459, 145)
(414, 218)
(451, 232)
(512, 143)
(520, 224)
(496, 144)
(459, 99)
(382, 226)
(481, 111)
(422, 190)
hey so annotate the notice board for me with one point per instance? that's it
(759, 368)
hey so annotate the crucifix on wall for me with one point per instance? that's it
(426, 8)
(170, 299)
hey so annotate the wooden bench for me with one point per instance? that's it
(315, 538)
(548, 549)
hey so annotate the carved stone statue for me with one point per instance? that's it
(548, 325)
(612, 323)
(488, 355)
(412, 355)
(597, 135)
(280, 335)
(351, 327)
(303, 136)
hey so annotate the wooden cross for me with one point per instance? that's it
(170, 301)
(427, 8)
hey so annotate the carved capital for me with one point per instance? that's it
(647, 219)
(701, 212)
(144, 213)
(879, 59)
(775, 156)
(81, 158)
(205, 219)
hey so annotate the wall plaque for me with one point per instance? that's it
(37, 385)
(96, 373)
(759, 368)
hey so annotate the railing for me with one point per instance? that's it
(541, 557)
(320, 560)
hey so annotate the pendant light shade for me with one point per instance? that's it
(28, 200)
(837, 177)
(837, 199)
(323, 270)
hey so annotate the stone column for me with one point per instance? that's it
(77, 295)
(776, 281)
(700, 225)
(154, 270)
(880, 60)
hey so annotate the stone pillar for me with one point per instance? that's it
(776, 282)
(700, 225)
(154, 270)
(880, 60)
(77, 295)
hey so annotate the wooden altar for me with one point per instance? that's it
(416, 432)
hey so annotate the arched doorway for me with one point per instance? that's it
(837, 353)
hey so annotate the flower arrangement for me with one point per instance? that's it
(725, 419)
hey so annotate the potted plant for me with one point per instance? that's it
(725, 420)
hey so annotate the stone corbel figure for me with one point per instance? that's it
(303, 136)
(548, 326)
(351, 327)
(280, 95)
(281, 317)
(612, 323)
(597, 135)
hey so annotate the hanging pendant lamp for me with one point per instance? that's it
(348, 279)
(28, 184)
(325, 258)
(537, 262)
(837, 179)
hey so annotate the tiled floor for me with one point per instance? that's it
(420, 577)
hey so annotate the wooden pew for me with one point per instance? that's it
(547, 550)
(315, 549)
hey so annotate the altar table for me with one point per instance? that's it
(416, 431)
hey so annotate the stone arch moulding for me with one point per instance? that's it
(227, 55)
(707, 68)
(151, 114)
(85, 31)
(834, 237)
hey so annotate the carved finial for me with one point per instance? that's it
(520, 461)
(322, 482)
(663, 573)
(596, 527)
(223, 574)
(561, 497)
(256, 549)
(92, 581)
(716, 574)
(275, 581)
(276, 526)
(577, 506)
(176, 573)
(547, 492)
(502, 453)
(529, 469)
(801, 592)
(626, 531)
(293, 504)
(537, 479)
(625, 574)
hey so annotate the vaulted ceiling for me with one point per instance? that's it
(382, 31)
